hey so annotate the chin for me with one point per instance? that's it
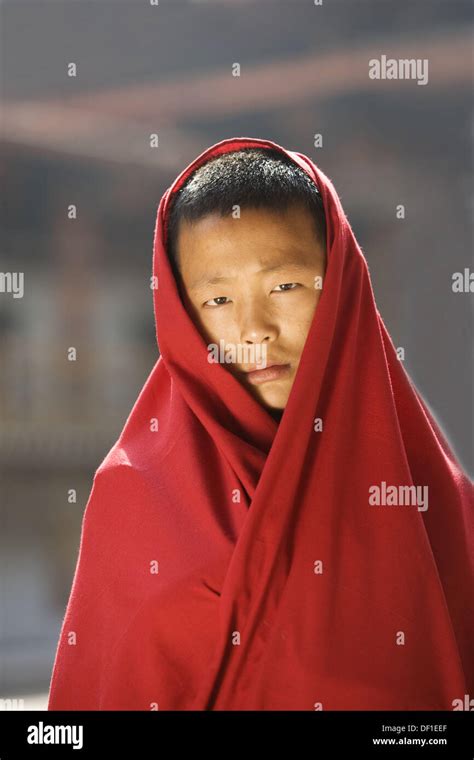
(274, 403)
(273, 399)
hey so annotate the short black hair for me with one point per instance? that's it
(249, 178)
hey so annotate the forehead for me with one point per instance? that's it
(217, 249)
(262, 229)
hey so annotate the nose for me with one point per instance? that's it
(256, 325)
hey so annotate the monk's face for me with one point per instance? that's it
(251, 286)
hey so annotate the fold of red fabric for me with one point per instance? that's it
(228, 562)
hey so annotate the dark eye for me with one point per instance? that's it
(285, 284)
(219, 298)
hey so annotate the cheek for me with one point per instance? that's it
(200, 318)
(300, 314)
(216, 324)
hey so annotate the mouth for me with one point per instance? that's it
(271, 372)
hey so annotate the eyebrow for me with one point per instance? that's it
(288, 266)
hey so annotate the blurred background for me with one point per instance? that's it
(165, 68)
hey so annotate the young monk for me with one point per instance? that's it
(281, 524)
(260, 221)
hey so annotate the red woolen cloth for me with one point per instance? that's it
(197, 583)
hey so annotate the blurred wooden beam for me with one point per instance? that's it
(116, 124)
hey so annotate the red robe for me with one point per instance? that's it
(231, 562)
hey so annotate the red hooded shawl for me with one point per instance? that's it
(231, 562)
